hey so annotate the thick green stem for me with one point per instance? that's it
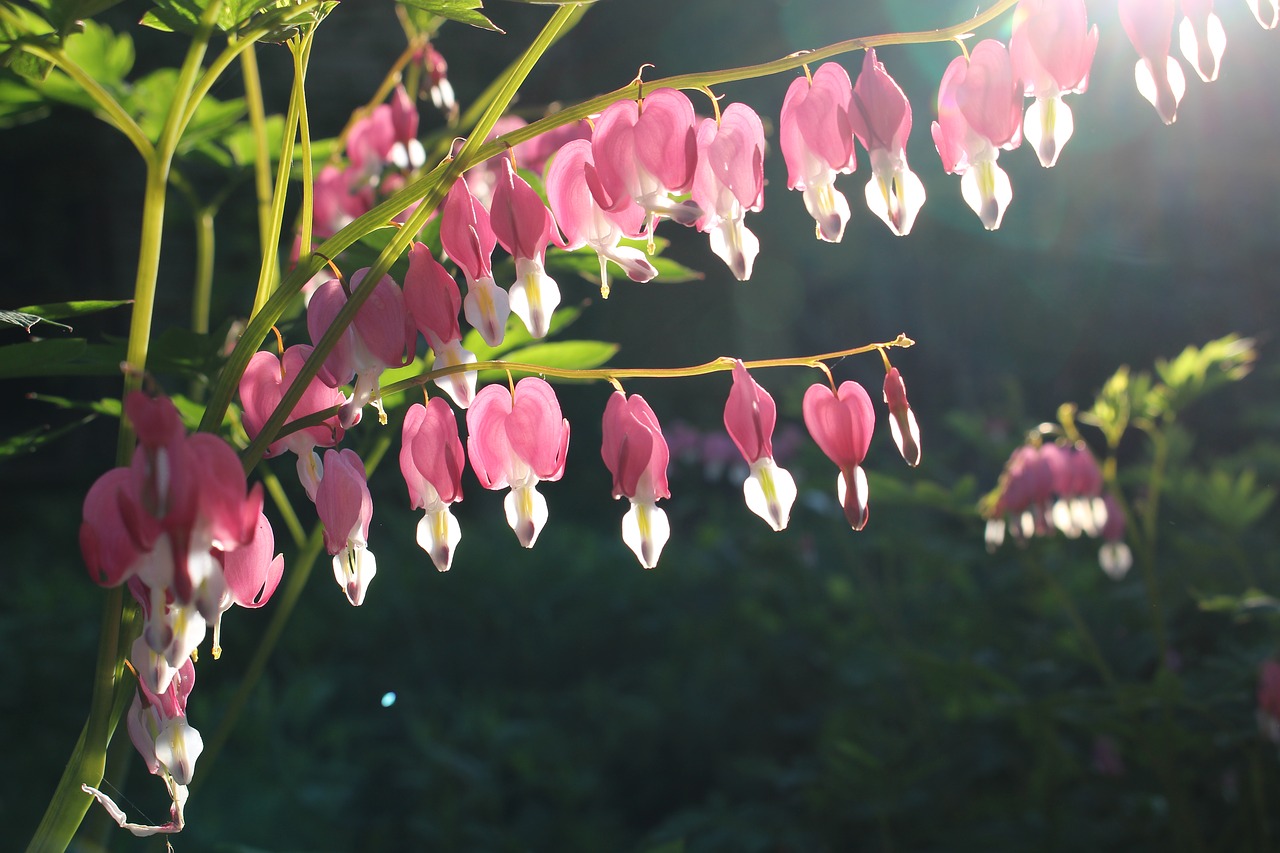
(88, 760)
(301, 56)
(202, 293)
(269, 270)
(261, 151)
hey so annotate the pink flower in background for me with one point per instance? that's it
(728, 182)
(379, 338)
(436, 79)
(406, 151)
(346, 508)
(522, 225)
(841, 423)
(1202, 38)
(433, 301)
(468, 240)
(333, 203)
(1052, 50)
(516, 441)
(263, 384)
(1149, 25)
(584, 223)
(1269, 700)
(749, 417)
(817, 144)
(880, 117)
(533, 154)
(636, 454)
(902, 421)
(979, 113)
(645, 153)
(1114, 556)
(431, 460)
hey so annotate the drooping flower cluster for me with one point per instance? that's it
(180, 527)
(1053, 487)
(821, 117)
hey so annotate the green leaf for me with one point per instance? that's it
(71, 357)
(66, 310)
(463, 11)
(183, 16)
(579, 355)
(1197, 370)
(108, 406)
(107, 57)
(1252, 601)
(26, 321)
(19, 102)
(149, 103)
(34, 439)
(63, 14)
(516, 335)
(25, 26)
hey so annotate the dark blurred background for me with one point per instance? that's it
(895, 689)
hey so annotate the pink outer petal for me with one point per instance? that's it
(574, 206)
(815, 122)
(879, 112)
(261, 387)
(465, 232)
(665, 140)
(252, 573)
(633, 447)
(520, 220)
(154, 419)
(1052, 47)
(107, 548)
(342, 499)
(731, 155)
(951, 130)
(382, 323)
(1149, 25)
(842, 423)
(326, 301)
(613, 155)
(487, 445)
(231, 515)
(538, 433)
(431, 453)
(989, 96)
(432, 298)
(750, 416)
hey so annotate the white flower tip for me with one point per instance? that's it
(987, 191)
(645, 530)
(353, 569)
(438, 535)
(856, 510)
(1116, 559)
(526, 511)
(770, 492)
